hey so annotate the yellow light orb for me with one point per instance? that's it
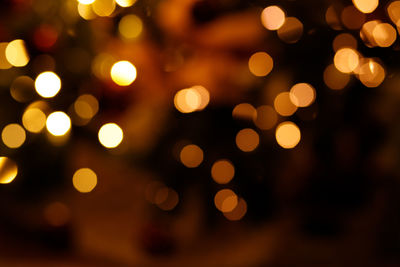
(16, 53)
(260, 64)
(222, 171)
(58, 123)
(187, 100)
(384, 34)
(247, 140)
(191, 156)
(335, 79)
(302, 94)
(34, 120)
(125, 3)
(130, 26)
(84, 180)
(272, 17)
(13, 135)
(86, 11)
(123, 73)
(366, 6)
(103, 8)
(287, 134)
(47, 84)
(4, 64)
(57, 214)
(110, 135)
(346, 60)
(86, 2)
(283, 104)
(8, 170)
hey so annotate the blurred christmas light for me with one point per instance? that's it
(247, 140)
(244, 111)
(346, 60)
(169, 198)
(344, 40)
(86, 11)
(287, 134)
(8, 170)
(34, 119)
(366, 6)
(283, 104)
(384, 34)
(352, 18)
(291, 31)
(110, 135)
(123, 73)
(187, 100)
(84, 180)
(272, 17)
(86, 106)
(371, 73)
(125, 3)
(332, 18)
(225, 200)
(238, 212)
(222, 171)
(130, 26)
(260, 64)
(191, 156)
(13, 135)
(57, 214)
(47, 84)
(335, 79)
(22, 89)
(393, 11)
(103, 8)
(4, 64)
(58, 123)
(86, 2)
(16, 53)
(266, 117)
(302, 94)
(366, 33)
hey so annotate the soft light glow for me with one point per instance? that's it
(384, 34)
(58, 123)
(335, 79)
(13, 135)
(222, 171)
(393, 11)
(125, 3)
(8, 170)
(371, 74)
(346, 60)
(191, 156)
(366, 33)
(187, 100)
(4, 64)
(260, 64)
(302, 94)
(247, 140)
(244, 111)
(123, 73)
(84, 180)
(110, 135)
(16, 53)
(287, 134)
(366, 6)
(57, 214)
(86, 106)
(204, 96)
(238, 212)
(332, 18)
(130, 26)
(86, 2)
(86, 11)
(272, 17)
(291, 31)
(225, 200)
(266, 117)
(352, 18)
(344, 40)
(22, 89)
(283, 105)
(102, 64)
(47, 84)
(34, 120)
(103, 8)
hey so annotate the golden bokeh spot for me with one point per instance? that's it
(86, 106)
(191, 156)
(260, 64)
(58, 123)
(265, 118)
(335, 79)
(384, 34)
(86, 11)
(371, 74)
(22, 89)
(4, 64)
(247, 140)
(366, 33)
(170, 199)
(16, 53)
(187, 100)
(244, 111)
(8, 170)
(13, 135)
(332, 18)
(57, 214)
(86, 2)
(47, 84)
(284, 105)
(352, 18)
(225, 200)
(34, 120)
(346, 60)
(291, 31)
(103, 8)
(125, 3)
(222, 171)
(344, 40)
(130, 26)
(238, 212)
(302, 94)
(204, 96)
(366, 6)
(393, 10)
(272, 17)
(287, 134)
(110, 135)
(123, 73)
(84, 180)
(102, 64)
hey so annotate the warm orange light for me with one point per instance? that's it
(247, 140)
(226, 200)
(302, 94)
(260, 64)
(266, 117)
(222, 171)
(346, 60)
(291, 31)
(283, 105)
(191, 156)
(287, 134)
(244, 111)
(272, 17)
(366, 6)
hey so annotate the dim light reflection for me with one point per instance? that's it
(238, 212)
(191, 156)
(266, 117)
(130, 26)
(247, 140)
(225, 200)
(244, 111)
(86, 106)
(13, 135)
(8, 170)
(222, 171)
(260, 64)
(291, 31)
(284, 105)
(4, 64)
(335, 79)
(344, 40)
(57, 214)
